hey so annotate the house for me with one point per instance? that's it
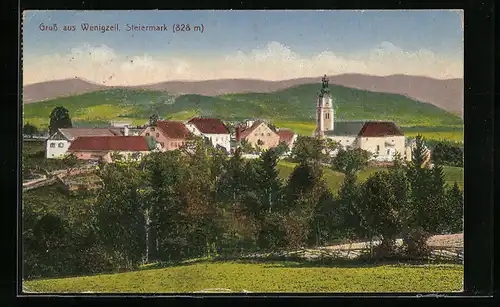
(103, 148)
(213, 129)
(257, 134)
(383, 139)
(169, 134)
(58, 143)
(287, 136)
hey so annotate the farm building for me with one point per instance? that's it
(104, 148)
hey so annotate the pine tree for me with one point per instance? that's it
(454, 209)
(269, 180)
(346, 218)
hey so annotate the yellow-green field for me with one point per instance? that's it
(265, 277)
(457, 136)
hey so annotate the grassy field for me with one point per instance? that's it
(293, 107)
(265, 277)
(335, 179)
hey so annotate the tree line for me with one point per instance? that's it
(200, 202)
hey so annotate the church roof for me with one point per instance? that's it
(346, 128)
(380, 129)
(364, 128)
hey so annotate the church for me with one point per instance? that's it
(383, 139)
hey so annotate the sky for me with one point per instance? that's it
(267, 45)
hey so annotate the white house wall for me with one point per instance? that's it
(59, 150)
(345, 141)
(223, 140)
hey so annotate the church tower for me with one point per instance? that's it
(324, 110)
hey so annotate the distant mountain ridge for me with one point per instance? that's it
(445, 94)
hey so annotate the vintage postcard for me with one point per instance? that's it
(242, 151)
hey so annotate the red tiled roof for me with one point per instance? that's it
(119, 143)
(286, 135)
(173, 129)
(248, 131)
(379, 129)
(209, 125)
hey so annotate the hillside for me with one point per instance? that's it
(296, 104)
(445, 94)
(57, 88)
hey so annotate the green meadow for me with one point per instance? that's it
(292, 108)
(265, 277)
(334, 179)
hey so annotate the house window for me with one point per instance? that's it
(60, 145)
(152, 129)
(378, 148)
(172, 144)
(269, 134)
(216, 139)
(347, 141)
(393, 141)
(157, 135)
(147, 134)
(262, 134)
(52, 145)
(388, 151)
(327, 115)
(162, 144)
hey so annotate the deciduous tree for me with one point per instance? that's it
(59, 118)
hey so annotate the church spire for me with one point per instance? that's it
(324, 88)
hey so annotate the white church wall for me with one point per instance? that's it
(383, 148)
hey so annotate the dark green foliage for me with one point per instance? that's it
(445, 153)
(59, 118)
(346, 218)
(350, 161)
(198, 202)
(453, 212)
(282, 148)
(307, 149)
(29, 129)
(120, 209)
(151, 142)
(153, 119)
(246, 147)
(380, 208)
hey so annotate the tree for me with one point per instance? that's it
(30, 130)
(445, 153)
(121, 214)
(246, 147)
(59, 118)
(282, 148)
(329, 147)
(153, 119)
(269, 181)
(379, 211)
(346, 218)
(419, 212)
(350, 161)
(70, 161)
(164, 173)
(453, 214)
(307, 149)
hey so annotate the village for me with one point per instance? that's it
(383, 140)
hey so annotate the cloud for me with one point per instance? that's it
(102, 64)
